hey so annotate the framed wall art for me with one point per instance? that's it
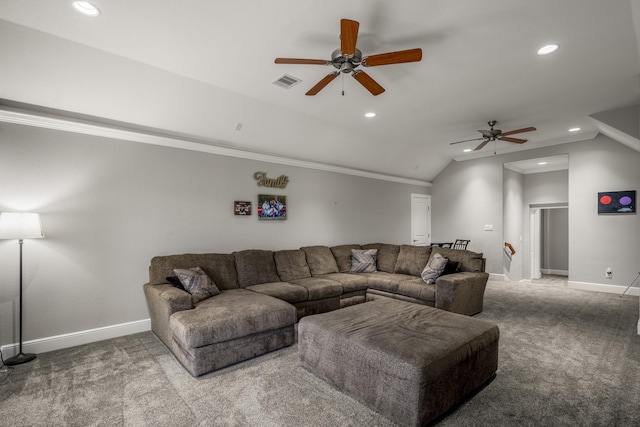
(272, 207)
(242, 208)
(617, 202)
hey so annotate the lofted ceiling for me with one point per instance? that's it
(203, 70)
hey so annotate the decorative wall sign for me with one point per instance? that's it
(264, 181)
(618, 202)
(272, 207)
(242, 208)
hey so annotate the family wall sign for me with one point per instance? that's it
(264, 181)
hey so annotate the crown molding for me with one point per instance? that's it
(28, 118)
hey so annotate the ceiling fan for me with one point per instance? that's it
(497, 135)
(347, 59)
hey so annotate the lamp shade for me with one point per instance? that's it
(15, 225)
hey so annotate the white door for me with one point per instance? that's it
(420, 219)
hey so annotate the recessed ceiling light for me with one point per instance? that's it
(370, 115)
(545, 50)
(542, 163)
(86, 8)
(574, 129)
(466, 150)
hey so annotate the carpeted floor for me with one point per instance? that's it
(567, 358)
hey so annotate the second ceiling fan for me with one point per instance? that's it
(348, 58)
(497, 135)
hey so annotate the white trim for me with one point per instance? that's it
(556, 272)
(497, 276)
(31, 119)
(600, 287)
(57, 342)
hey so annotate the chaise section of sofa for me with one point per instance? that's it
(233, 326)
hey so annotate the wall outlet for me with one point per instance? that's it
(488, 227)
(608, 273)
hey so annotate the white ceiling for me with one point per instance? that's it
(196, 69)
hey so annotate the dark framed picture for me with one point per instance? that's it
(272, 207)
(242, 208)
(617, 202)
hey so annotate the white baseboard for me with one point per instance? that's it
(496, 276)
(556, 272)
(57, 342)
(600, 287)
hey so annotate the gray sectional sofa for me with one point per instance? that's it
(263, 293)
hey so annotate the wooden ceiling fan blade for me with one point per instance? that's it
(322, 83)
(399, 57)
(514, 140)
(513, 132)
(481, 146)
(302, 61)
(369, 84)
(348, 36)
(466, 140)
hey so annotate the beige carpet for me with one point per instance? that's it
(567, 358)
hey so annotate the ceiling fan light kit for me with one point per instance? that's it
(348, 58)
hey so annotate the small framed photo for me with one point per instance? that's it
(272, 207)
(242, 208)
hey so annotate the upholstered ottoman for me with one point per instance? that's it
(409, 362)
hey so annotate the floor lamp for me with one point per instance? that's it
(20, 226)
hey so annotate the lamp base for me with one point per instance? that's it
(19, 359)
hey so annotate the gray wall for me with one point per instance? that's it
(465, 197)
(468, 194)
(109, 206)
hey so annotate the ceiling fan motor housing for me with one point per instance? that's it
(346, 63)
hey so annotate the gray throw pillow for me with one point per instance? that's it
(434, 268)
(197, 283)
(363, 260)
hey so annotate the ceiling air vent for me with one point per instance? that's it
(287, 81)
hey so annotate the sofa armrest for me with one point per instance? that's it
(461, 292)
(163, 300)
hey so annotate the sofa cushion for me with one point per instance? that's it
(233, 314)
(412, 259)
(388, 282)
(291, 264)
(220, 268)
(363, 260)
(387, 256)
(349, 282)
(319, 288)
(342, 255)
(469, 261)
(416, 288)
(255, 266)
(320, 260)
(289, 292)
(197, 283)
(434, 268)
